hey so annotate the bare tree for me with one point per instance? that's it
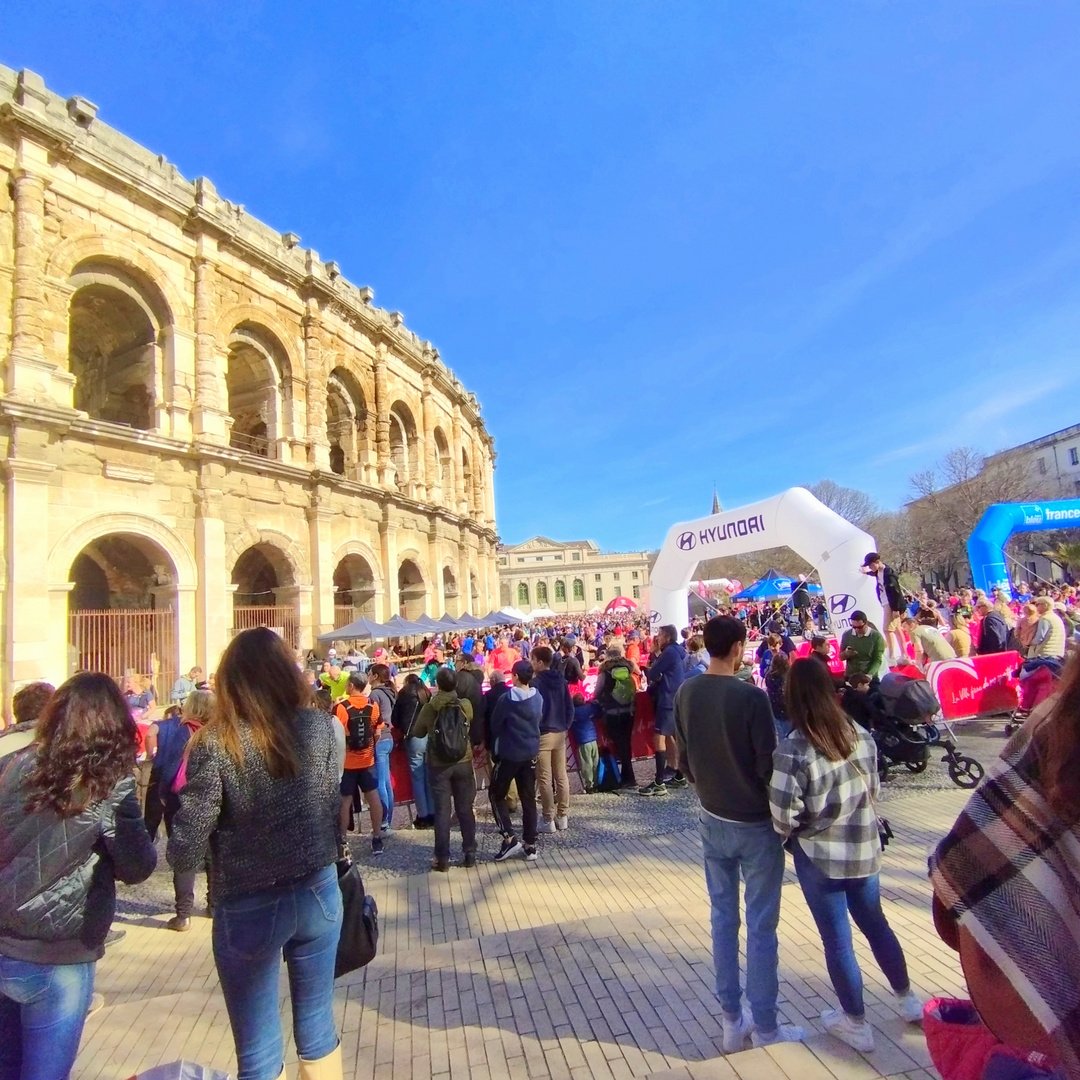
(850, 503)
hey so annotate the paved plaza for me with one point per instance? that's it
(592, 964)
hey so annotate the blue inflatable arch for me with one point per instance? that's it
(986, 548)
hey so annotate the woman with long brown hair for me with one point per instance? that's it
(69, 826)
(824, 784)
(1007, 880)
(262, 795)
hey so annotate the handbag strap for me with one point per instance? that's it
(866, 784)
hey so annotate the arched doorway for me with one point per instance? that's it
(122, 610)
(114, 323)
(346, 422)
(265, 593)
(450, 591)
(354, 590)
(412, 594)
(256, 379)
(404, 449)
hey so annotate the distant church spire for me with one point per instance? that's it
(716, 507)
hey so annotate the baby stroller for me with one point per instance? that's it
(905, 734)
(1038, 680)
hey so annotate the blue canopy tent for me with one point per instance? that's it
(774, 586)
(358, 628)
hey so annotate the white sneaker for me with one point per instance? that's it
(543, 825)
(783, 1033)
(735, 1031)
(858, 1034)
(911, 1006)
(562, 823)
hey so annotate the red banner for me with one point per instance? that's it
(975, 685)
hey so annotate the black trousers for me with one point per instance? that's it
(503, 775)
(455, 782)
(154, 812)
(619, 727)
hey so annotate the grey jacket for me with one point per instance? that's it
(262, 832)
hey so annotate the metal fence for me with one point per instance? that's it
(122, 642)
(280, 618)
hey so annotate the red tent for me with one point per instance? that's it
(620, 603)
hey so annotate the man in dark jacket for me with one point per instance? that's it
(893, 604)
(558, 713)
(993, 631)
(515, 744)
(665, 675)
(618, 716)
(470, 685)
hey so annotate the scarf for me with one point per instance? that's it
(1009, 873)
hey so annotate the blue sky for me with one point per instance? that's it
(668, 244)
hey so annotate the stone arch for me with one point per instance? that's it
(358, 547)
(290, 550)
(269, 325)
(404, 443)
(413, 584)
(444, 464)
(355, 589)
(258, 380)
(347, 420)
(450, 587)
(69, 253)
(506, 596)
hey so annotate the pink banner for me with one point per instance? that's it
(975, 685)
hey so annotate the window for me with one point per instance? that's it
(618, 590)
(596, 577)
(576, 556)
(1041, 465)
(599, 594)
(520, 559)
(637, 592)
(634, 575)
(541, 592)
(616, 575)
(523, 594)
(503, 560)
(560, 592)
(1074, 456)
(558, 558)
(579, 589)
(539, 558)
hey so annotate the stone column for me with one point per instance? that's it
(431, 465)
(458, 502)
(388, 553)
(382, 425)
(187, 618)
(322, 568)
(318, 443)
(438, 604)
(26, 597)
(209, 418)
(464, 584)
(213, 596)
(489, 465)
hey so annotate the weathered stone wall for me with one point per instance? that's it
(252, 345)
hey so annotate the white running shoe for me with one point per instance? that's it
(562, 823)
(911, 1006)
(783, 1033)
(543, 825)
(858, 1034)
(736, 1029)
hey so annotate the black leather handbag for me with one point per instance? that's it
(359, 939)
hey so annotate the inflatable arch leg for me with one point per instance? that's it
(793, 519)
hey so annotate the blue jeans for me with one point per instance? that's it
(830, 901)
(42, 1012)
(382, 772)
(249, 935)
(756, 850)
(417, 750)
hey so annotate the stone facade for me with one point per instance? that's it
(201, 417)
(571, 577)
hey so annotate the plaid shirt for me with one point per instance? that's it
(827, 806)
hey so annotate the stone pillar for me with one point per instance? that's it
(213, 596)
(26, 597)
(209, 418)
(388, 553)
(187, 644)
(322, 568)
(318, 443)
(382, 426)
(464, 584)
(490, 488)
(437, 607)
(299, 598)
(178, 354)
(458, 502)
(431, 465)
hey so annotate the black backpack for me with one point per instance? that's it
(359, 735)
(450, 737)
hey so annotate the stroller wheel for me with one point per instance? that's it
(916, 766)
(966, 772)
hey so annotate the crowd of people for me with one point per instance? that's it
(262, 774)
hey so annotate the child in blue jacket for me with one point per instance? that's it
(583, 730)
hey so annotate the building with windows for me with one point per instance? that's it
(204, 425)
(570, 577)
(1053, 462)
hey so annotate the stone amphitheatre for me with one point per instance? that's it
(204, 425)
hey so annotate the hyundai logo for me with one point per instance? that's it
(686, 541)
(841, 603)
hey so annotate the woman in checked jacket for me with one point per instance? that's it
(824, 784)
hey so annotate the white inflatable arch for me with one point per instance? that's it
(793, 519)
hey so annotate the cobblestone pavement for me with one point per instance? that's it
(593, 962)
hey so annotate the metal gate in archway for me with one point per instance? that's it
(123, 642)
